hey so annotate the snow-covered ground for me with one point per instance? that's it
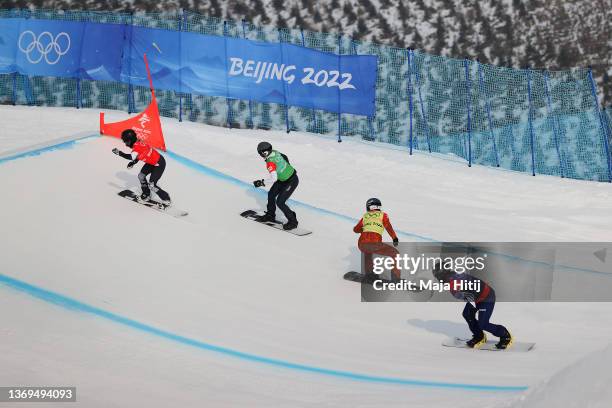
(131, 305)
(585, 383)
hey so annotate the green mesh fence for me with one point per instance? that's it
(534, 121)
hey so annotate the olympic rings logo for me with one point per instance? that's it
(44, 46)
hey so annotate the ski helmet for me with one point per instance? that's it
(264, 149)
(129, 137)
(373, 204)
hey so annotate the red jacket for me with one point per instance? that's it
(146, 153)
(373, 236)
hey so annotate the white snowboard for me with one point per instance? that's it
(489, 346)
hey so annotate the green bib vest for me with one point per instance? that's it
(283, 169)
(373, 222)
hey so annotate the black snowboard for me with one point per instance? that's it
(156, 205)
(361, 278)
(253, 216)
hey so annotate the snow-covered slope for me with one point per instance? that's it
(131, 305)
(585, 383)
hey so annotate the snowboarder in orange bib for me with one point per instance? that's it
(371, 227)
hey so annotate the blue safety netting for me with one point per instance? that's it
(528, 120)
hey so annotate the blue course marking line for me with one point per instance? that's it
(74, 305)
(63, 145)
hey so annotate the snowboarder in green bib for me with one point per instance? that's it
(285, 181)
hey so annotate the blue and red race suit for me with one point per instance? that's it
(483, 297)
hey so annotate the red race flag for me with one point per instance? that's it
(146, 124)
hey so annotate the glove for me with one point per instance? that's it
(395, 242)
(131, 164)
(116, 151)
(259, 183)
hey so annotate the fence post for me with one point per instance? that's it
(280, 43)
(418, 83)
(228, 119)
(78, 100)
(415, 139)
(371, 118)
(601, 124)
(339, 94)
(409, 83)
(488, 106)
(531, 138)
(131, 101)
(554, 121)
(27, 88)
(78, 93)
(312, 111)
(371, 127)
(607, 122)
(14, 88)
(181, 16)
(468, 86)
(12, 13)
(250, 124)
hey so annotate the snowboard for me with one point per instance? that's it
(516, 346)
(358, 277)
(156, 205)
(253, 214)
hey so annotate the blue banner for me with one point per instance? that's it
(61, 48)
(101, 51)
(49, 48)
(191, 63)
(9, 34)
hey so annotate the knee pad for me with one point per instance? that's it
(142, 178)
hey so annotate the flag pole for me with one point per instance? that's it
(149, 76)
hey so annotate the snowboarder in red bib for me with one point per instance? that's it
(155, 164)
(284, 180)
(484, 299)
(371, 227)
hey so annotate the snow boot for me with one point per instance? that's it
(292, 222)
(477, 341)
(505, 341)
(267, 218)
